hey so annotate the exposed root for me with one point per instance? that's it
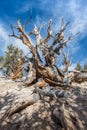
(68, 119)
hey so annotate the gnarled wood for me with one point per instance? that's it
(68, 119)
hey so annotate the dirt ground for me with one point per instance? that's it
(38, 116)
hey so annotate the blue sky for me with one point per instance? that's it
(74, 11)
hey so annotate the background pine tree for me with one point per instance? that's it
(78, 66)
(12, 59)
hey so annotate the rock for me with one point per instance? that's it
(6, 107)
(2, 100)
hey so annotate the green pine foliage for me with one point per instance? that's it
(12, 59)
(1, 59)
(78, 67)
(85, 67)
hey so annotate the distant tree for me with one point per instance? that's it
(78, 66)
(1, 62)
(13, 59)
(1, 59)
(85, 67)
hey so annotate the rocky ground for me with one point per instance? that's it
(40, 115)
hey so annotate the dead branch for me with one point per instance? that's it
(63, 43)
(25, 39)
(59, 37)
(40, 44)
(13, 33)
(50, 32)
(41, 27)
(66, 62)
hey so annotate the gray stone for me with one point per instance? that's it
(2, 101)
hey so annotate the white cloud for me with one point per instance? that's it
(26, 7)
(3, 37)
(71, 10)
(76, 12)
(79, 13)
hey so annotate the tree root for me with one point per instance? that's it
(20, 107)
(17, 107)
(68, 119)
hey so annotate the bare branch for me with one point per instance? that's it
(20, 28)
(13, 33)
(70, 38)
(62, 43)
(39, 41)
(73, 36)
(25, 39)
(42, 26)
(59, 37)
(66, 62)
(50, 32)
(63, 27)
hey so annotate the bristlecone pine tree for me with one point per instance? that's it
(48, 73)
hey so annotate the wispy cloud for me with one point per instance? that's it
(79, 14)
(71, 10)
(26, 6)
(74, 10)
